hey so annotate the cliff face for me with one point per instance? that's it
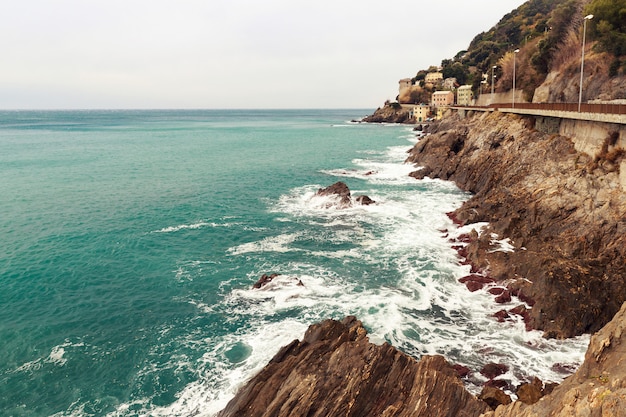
(565, 215)
(564, 212)
(598, 388)
(335, 371)
(562, 85)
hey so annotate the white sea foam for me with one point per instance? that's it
(417, 303)
(56, 357)
(384, 171)
(501, 245)
(219, 378)
(278, 243)
(193, 226)
(189, 270)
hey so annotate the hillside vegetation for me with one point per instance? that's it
(548, 34)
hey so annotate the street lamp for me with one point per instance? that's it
(582, 60)
(515, 52)
(492, 77)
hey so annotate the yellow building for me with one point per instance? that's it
(464, 95)
(420, 113)
(433, 78)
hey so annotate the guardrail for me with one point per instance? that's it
(570, 107)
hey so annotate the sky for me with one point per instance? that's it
(223, 54)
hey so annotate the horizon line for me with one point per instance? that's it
(184, 108)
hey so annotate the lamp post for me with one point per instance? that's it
(515, 52)
(582, 60)
(492, 77)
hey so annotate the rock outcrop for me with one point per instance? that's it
(563, 214)
(264, 280)
(390, 113)
(563, 211)
(339, 190)
(336, 371)
(342, 193)
(598, 388)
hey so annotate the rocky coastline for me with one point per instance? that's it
(562, 215)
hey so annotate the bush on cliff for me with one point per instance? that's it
(608, 26)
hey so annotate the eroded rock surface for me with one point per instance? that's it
(563, 211)
(336, 371)
(598, 388)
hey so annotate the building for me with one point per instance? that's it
(464, 95)
(440, 112)
(442, 99)
(420, 113)
(433, 78)
(450, 83)
(405, 83)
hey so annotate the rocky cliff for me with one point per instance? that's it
(598, 388)
(563, 211)
(336, 371)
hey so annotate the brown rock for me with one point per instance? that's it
(492, 370)
(494, 397)
(264, 280)
(501, 315)
(530, 393)
(505, 297)
(339, 189)
(364, 200)
(496, 290)
(562, 210)
(475, 282)
(390, 113)
(549, 387)
(462, 370)
(598, 388)
(335, 371)
(497, 383)
(524, 313)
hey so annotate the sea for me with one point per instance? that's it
(131, 241)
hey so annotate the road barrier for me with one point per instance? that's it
(571, 107)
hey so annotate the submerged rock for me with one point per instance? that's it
(492, 370)
(336, 371)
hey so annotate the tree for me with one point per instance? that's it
(608, 26)
(456, 70)
(559, 24)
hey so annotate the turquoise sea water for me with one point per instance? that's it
(131, 240)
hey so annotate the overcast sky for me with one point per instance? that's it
(69, 54)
